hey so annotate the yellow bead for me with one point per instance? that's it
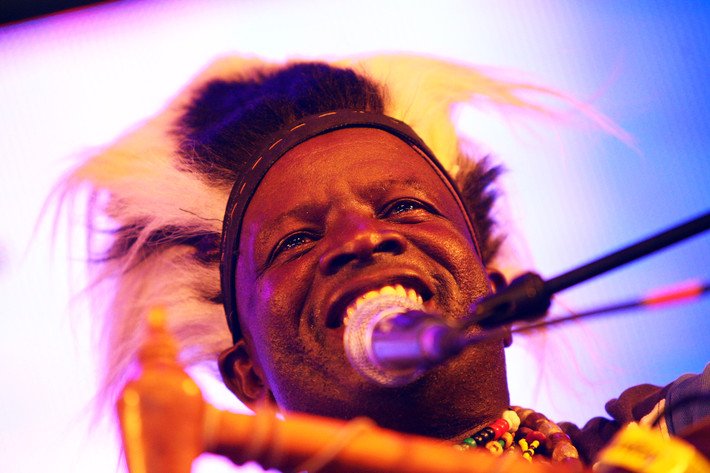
(494, 447)
(508, 438)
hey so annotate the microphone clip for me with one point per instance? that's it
(525, 298)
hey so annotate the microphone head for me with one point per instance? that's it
(358, 339)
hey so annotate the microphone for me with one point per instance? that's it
(391, 340)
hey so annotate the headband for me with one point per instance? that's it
(279, 144)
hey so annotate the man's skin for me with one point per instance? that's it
(340, 215)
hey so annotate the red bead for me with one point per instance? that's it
(522, 433)
(500, 427)
(535, 435)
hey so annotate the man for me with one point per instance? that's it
(371, 213)
(335, 191)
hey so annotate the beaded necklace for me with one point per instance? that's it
(531, 431)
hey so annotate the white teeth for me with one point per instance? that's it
(412, 294)
(348, 313)
(397, 289)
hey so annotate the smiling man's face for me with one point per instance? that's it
(340, 215)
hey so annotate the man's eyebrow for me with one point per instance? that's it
(409, 182)
(298, 212)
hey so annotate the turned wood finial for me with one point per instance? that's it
(161, 411)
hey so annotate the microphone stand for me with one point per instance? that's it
(528, 296)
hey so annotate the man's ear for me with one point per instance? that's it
(498, 283)
(242, 376)
(497, 279)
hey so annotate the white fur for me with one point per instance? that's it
(138, 179)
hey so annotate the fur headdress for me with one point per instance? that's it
(164, 210)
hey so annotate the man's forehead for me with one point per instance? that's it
(362, 158)
(347, 148)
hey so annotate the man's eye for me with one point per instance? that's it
(405, 206)
(293, 241)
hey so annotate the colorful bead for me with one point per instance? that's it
(499, 428)
(507, 438)
(522, 433)
(494, 447)
(532, 420)
(535, 436)
(513, 419)
(483, 436)
(555, 438)
(563, 451)
(524, 447)
(531, 430)
(523, 413)
(548, 428)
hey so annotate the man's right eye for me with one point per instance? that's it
(405, 206)
(293, 241)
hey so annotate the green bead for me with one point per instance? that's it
(470, 441)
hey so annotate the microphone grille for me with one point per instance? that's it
(358, 338)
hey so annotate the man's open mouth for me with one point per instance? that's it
(397, 289)
(347, 304)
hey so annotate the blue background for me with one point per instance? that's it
(74, 81)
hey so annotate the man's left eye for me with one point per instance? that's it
(292, 241)
(404, 206)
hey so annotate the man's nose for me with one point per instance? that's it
(359, 242)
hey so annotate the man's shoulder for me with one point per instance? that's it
(678, 405)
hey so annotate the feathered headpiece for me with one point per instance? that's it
(165, 203)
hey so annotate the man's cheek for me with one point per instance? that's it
(266, 291)
(276, 304)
